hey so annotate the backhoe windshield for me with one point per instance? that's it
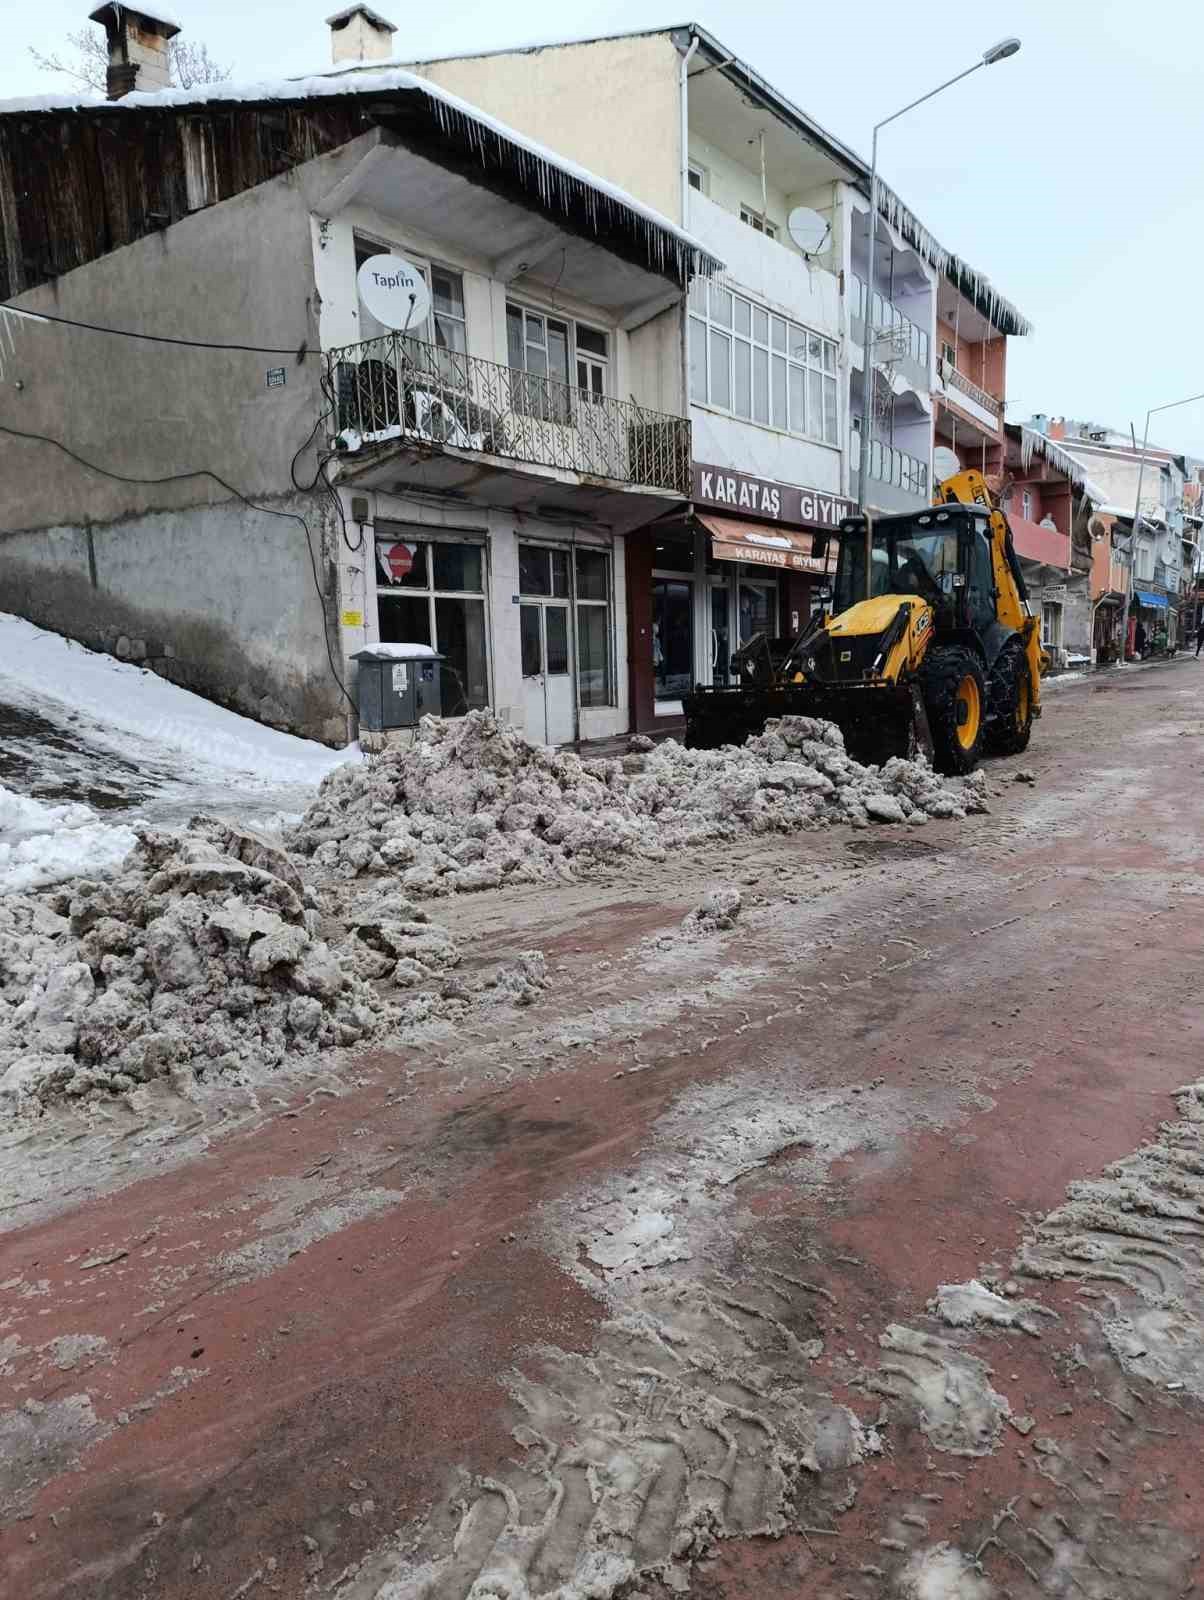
(903, 560)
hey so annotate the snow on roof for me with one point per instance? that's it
(557, 177)
(373, 16)
(1033, 443)
(154, 13)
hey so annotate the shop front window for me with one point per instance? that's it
(431, 592)
(758, 604)
(672, 637)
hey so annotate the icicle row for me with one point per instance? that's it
(562, 190)
(973, 284)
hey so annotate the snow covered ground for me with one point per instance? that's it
(88, 744)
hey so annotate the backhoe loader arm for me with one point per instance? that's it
(1011, 604)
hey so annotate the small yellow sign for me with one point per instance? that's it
(353, 619)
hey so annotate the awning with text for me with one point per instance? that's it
(766, 545)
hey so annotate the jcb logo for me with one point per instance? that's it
(923, 621)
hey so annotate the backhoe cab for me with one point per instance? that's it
(930, 645)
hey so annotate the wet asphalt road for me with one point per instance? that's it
(266, 1332)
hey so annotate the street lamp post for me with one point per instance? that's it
(1171, 405)
(997, 52)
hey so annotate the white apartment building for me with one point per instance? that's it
(772, 344)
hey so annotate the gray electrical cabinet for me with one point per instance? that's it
(396, 689)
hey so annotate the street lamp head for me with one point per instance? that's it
(1000, 51)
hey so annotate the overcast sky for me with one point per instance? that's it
(1072, 174)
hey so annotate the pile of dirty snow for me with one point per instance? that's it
(207, 954)
(472, 803)
(42, 844)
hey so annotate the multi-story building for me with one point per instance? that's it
(220, 463)
(773, 344)
(972, 330)
(1156, 546)
(1050, 503)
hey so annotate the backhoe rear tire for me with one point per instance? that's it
(1012, 725)
(955, 698)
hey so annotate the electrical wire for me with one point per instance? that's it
(205, 472)
(321, 475)
(300, 351)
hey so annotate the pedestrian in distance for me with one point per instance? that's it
(1199, 635)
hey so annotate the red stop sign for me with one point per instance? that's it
(400, 558)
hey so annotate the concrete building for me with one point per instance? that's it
(773, 344)
(1160, 558)
(971, 377)
(266, 479)
(1051, 503)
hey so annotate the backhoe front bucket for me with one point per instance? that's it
(878, 720)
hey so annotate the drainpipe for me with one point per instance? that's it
(685, 130)
(702, 592)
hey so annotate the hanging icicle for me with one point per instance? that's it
(1033, 444)
(561, 186)
(1000, 313)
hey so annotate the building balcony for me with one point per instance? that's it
(955, 387)
(898, 341)
(1043, 546)
(897, 481)
(1167, 577)
(499, 436)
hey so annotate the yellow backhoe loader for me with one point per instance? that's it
(930, 644)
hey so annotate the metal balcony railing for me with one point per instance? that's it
(913, 340)
(953, 379)
(888, 465)
(394, 387)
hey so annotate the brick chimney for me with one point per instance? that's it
(360, 34)
(138, 56)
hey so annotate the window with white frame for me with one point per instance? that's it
(758, 222)
(595, 676)
(432, 591)
(1026, 505)
(551, 351)
(746, 360)
(1051, 624)
(948, 354)
(698, 177)
(446, 327)
(1145, 563)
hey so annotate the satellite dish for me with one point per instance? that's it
(395, 292)
(945, 463)
(808, 229)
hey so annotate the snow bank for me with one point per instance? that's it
(126, 699)
(21, 814)
(206, 954)
(473, 804)
(41, 844)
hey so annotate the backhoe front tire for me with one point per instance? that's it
(955, 698)
(1012, 726)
